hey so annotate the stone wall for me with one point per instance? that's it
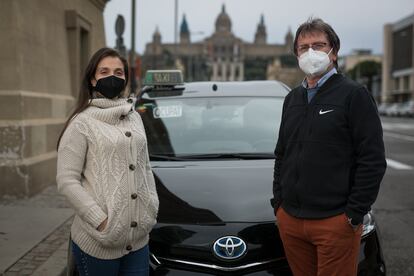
(44, 47)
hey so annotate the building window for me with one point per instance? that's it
(219, 69)
(237, 73)
(403, 48)
(216, 51)
(406, 83)
(397, 84)
(84, 49)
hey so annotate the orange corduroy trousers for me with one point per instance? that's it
(320, 247)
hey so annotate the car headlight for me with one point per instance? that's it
(368, 224)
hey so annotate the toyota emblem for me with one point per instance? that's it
(229, 248)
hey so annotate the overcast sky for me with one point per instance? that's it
(359, 23)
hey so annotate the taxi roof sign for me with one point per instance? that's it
(163, 78)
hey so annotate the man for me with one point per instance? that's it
(329, 160)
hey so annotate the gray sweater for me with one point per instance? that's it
(103, 170)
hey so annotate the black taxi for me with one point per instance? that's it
(211, 148)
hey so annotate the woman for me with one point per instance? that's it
(103, 170)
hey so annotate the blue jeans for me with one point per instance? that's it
(135, 263)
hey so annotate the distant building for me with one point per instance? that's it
(45, 48)
(398, 62)
(358, 57)
(223, 56)
(348, 62)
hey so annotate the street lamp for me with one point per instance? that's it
(175, 28)
(132, 52)
(119, 30)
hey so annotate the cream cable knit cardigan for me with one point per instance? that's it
(103, 170)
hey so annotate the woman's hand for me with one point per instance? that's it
(102, 226)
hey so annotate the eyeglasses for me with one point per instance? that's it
(315, 46)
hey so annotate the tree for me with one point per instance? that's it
(365, 71)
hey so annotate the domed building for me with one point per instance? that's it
(223, 22)
(223, 56)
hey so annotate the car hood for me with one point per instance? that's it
(214, 192)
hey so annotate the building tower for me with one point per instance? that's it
(261, 35)
(184, 32)
(289, 40)
(156, 37)
(156, 47)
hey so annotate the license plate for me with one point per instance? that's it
(167, 111)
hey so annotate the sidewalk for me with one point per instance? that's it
(34, 234)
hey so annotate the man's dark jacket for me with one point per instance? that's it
(330, 152)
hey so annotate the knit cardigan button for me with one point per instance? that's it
(129, 100)
(131, 167)
(128, 134)
(134, 196)
(122, 117)
(129, 248)
(134, 224)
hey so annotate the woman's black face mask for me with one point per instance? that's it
(110, 87)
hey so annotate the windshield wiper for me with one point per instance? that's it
(244, 156)
(186, 157)
(162, 157)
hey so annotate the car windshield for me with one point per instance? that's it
(213, 126)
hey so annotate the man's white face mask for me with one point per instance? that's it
(314, 63)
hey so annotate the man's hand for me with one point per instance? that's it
(354, 225)
(102, 226)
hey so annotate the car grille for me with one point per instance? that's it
(213, 268)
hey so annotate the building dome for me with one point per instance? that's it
(223, 21)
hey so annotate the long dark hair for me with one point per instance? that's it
(86, 88)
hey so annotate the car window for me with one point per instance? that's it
(213, 125)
